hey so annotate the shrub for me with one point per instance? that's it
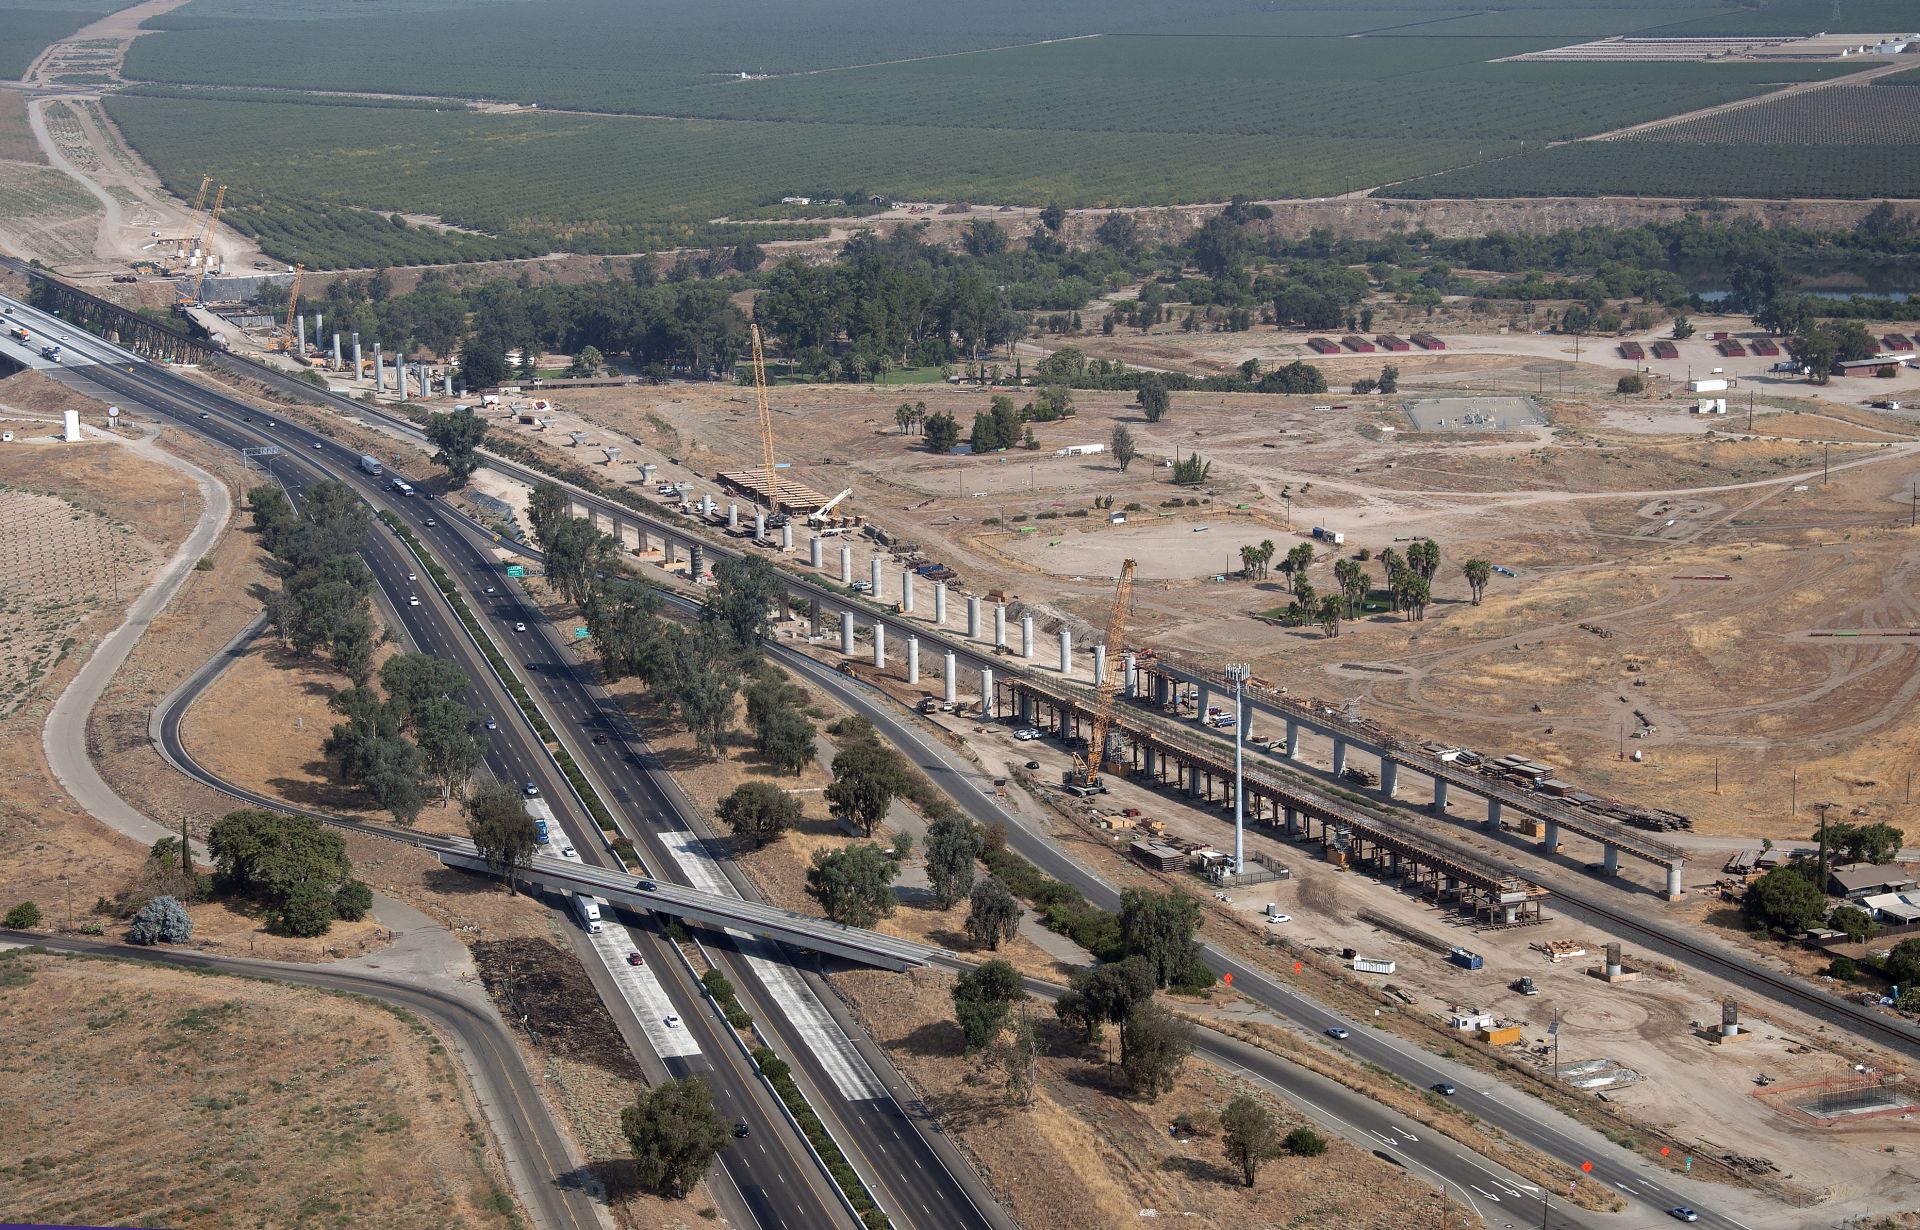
(203, 565)
(1305, 1142)
(162, 920)
(1842, 968)
(23, 917)
(351, 901)
(1631, 383)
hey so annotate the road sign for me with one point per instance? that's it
(516, 570)
(1586, 1167)
(579, 634)
(1689, 1163)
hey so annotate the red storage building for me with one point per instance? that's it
(1321, 345)
(1765, 348)
(1359, 345)
(1632, 350)
(1731, 348)
(1427, 341)
(1389, 342)
(1665, 350)
(1897, 341)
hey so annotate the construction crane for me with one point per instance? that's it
(206, 255)
(293, 305)
(1084, 779)
(766, 420)
(819, 515)
(199, 199)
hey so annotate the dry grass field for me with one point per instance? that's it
(140, 1095)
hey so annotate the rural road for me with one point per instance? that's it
(65, 734)
(531, 1143)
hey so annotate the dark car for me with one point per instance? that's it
(740, 1129)
(646, 886)
(600, 739)
(1444, 1089)
(1033, 764)
(634, 958)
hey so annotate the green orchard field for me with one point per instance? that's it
(646, 132)
(28, 27)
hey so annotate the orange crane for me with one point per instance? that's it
(1085, 777)
(199, 199)
(293, 305)
(766, 420)
(206, 255)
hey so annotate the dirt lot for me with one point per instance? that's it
(297, 1105)
(1085, 1155)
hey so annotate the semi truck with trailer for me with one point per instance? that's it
(372, 465)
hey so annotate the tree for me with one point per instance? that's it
(546, 509)
(1816, 349)
(1305, 1142)
(23, 917)
(745, 589)
(576, 554)
(675, 1133)
(272, 513)
(1352, 579)
(1478, 572)
(1786, 898)
(161, 921)
(1856, 922)
(502, 831)
(1250, 1135)
(587, 363)
(1389, 377)
(1121, 442)
(952, 846)
(1020, 1056)
(625, 620)
(1053, 216)
(854, 884)
(941, 432)
(866, 779)
(1682, 328)
(1630, 384)
(1863, 843)
(981, 998)
(351, 901)
(1154, 399)
(305, 911)
(759, 811)
(1327, 615)
(1423, 556)
(443, 731)
(483, 362)
(1416, 592)
(1160, 928)
(1843, 968)
(1106, 994)
(458, 436)
(1902, 966)
(1154, 1045)
(415, 680)
(1853, 340)
(993, 913)
(789, 743)
(1298, 560)
(1191, 471)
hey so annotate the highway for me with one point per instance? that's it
(772, 1180)
(911, 1168)
(489, 1049)
(1648, 1189)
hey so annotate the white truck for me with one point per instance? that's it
(372, 465)
(588, 910)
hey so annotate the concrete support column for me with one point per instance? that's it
(913, 659)
(1099, 665)
(643, 540)
(999, 626)
(846, 633)
(952, 691)
(973, 618)
(819, 615)
(1550, 844)
(815, 552)
(379, 373)
(759, 525)
(940, 604)
(697, 558)
(846, 566)
(1673, 881)
(356, 356)
(1389, 777)
(1493, 816)
(1202, 701)
(1066, 652)
(336, 352)
(874, 577)
(1065, 717)
(1130, 677)
(1026, 637)
(1193, 780)
(786, 537)
(986, 691)
(733, 516)
(1439, 796)
(1160, 691)
(1150, 764)
(668, 552)
(906, 591)
(1610, 860)
(1339, 755)
(1291, 818)
(300, 331)
(400, 377)
(879, 645)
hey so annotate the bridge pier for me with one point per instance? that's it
(1193, 780)
(1550, 843)
(973, 618)
(999, 625)
(1202, 701)
(1099, 665)
(906, 591)
(1610, 860)
(697, 559)
(1066, 652)
(846, 566)
(1674, 890)
(1389, 777)
(940, 604)
(1439, 807)
(913, 659)
(1160, 690)
(819, 615)
(952, 690)
(733, 516)
(759, 525)
(815, 553)
(1493, 816)
(879, 645)
(1150, 764)
(1339, 755)
(669, 551)
(1293, 739)
(786, 538)
(1065, 716)
(1026, 637)
(986, 691)
(846, 633)
(1130, 681)
(874, 578)
(1024, 707)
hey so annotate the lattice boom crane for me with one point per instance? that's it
(1087, 769)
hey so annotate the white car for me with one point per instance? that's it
(670, 1021)
(489, 589)
(412, 577)
(413, 599)
(1279, 918)
(519, 627)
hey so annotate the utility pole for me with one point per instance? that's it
(1749, 409)
(1824, 449)
(1795, 796)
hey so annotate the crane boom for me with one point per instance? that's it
(206, 254)
(293, 305)
(766, 419)
(1087, 770)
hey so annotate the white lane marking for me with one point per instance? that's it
(1487, 1194)
(818, 1031)
(644, 994)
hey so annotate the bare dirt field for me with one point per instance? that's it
(295, 1104)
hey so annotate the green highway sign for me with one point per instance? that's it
(516, 570)
(579, 634)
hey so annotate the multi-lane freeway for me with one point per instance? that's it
(565, 694)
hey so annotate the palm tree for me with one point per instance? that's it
(1478, 573)
(1249, 559)
(903, 417)
(1266, 555)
